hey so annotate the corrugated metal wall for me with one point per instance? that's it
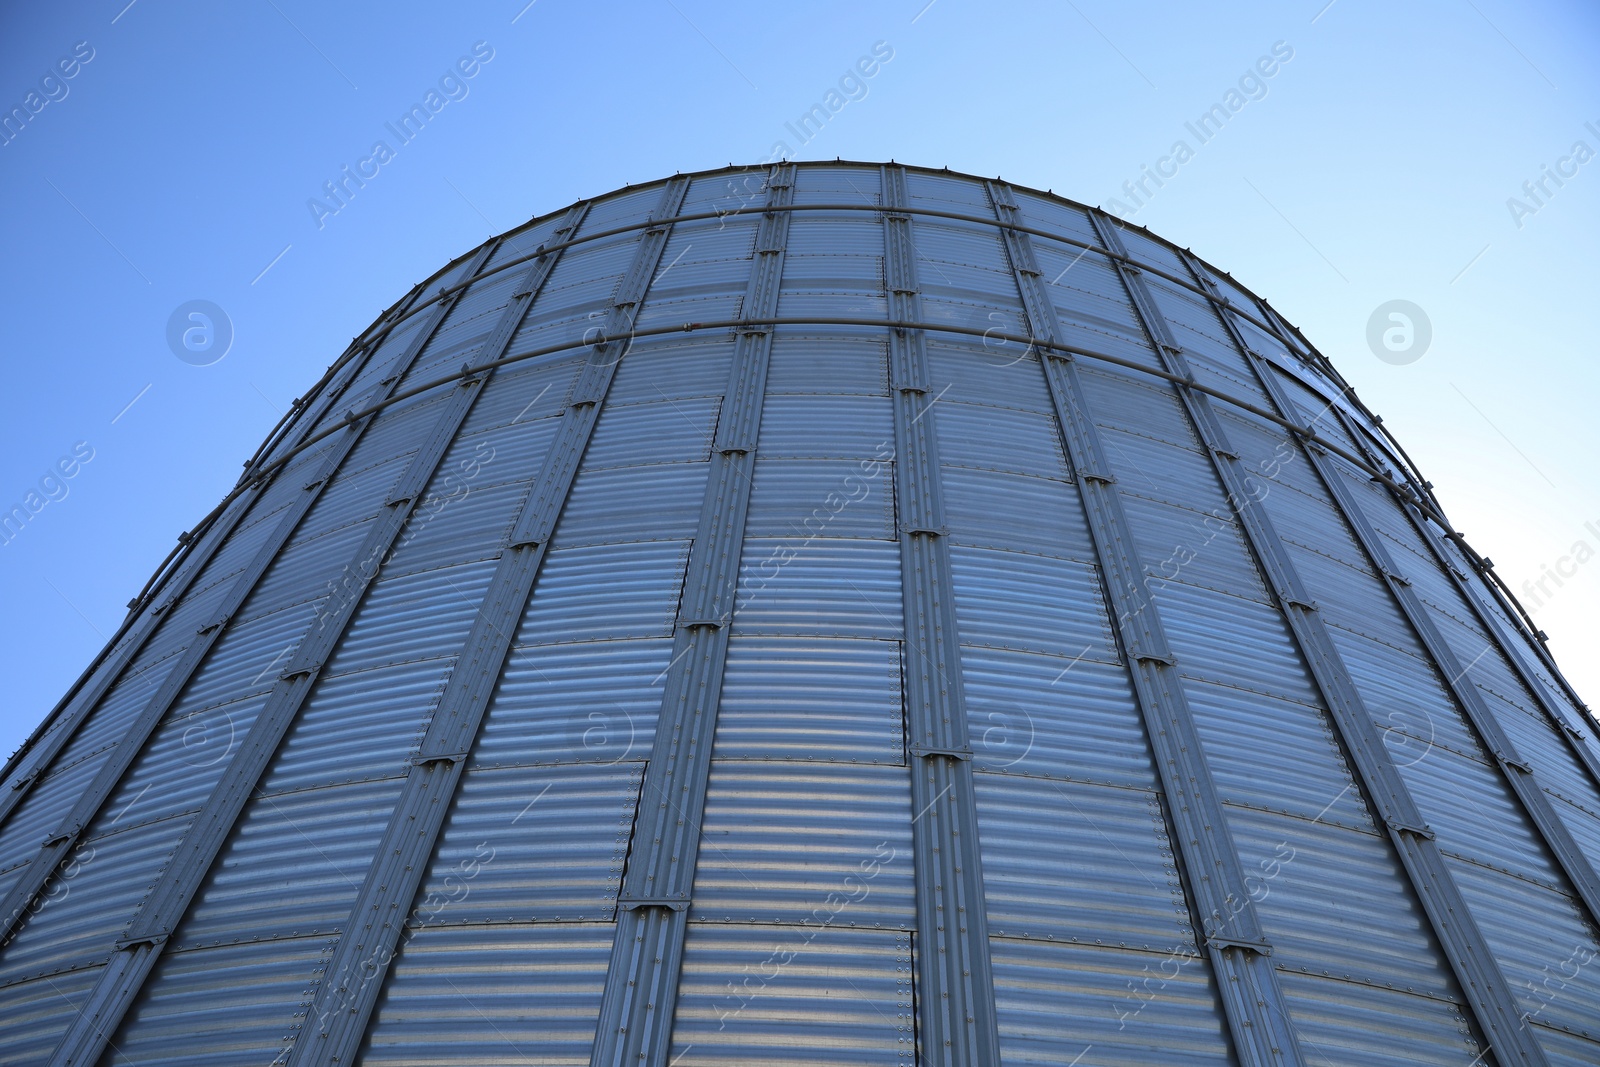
(365, 777)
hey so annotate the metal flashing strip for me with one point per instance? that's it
(636, 1009)
(133, 740)
(194, 551)
(1246, 981)
(169, 899)
(1536, 686)
(1482, 983)
(1053, 350)
(1380, 779)
(343, 1002)
(1515, 770)
(956, 1021)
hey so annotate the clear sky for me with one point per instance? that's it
(176, 163)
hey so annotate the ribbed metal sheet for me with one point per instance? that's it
(508, 993)
(811, 698)
(1079, 862)
(777, 995)
(228, 1005)
(1065, 1004)
(534, 844)
(914, 560)
(606, 592)
(805, 844)
(578, 702)
(290, 868)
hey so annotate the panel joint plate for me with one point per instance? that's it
(955, 1003)
(1483, 984)
(1213, 875)
(168, 900)
(659, 877)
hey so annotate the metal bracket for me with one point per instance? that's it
(672, 903)
(138, 940)
(948, 753)
(426, 759)
(1223, 942)
(1514, 761)
(710, 624)
(1419, 832)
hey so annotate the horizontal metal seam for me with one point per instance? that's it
(166, 902)
(338, 1013)
(1230, 932)
(658, 880)
(1482, 983)
(133, 740)
(955, 1002)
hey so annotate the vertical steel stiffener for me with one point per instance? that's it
(769, 320)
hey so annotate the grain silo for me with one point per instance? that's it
(826, 614)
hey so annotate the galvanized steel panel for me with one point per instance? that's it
(973, 435)
(1079, 862)
(805, 844)
(526, 844)
(965, 369)
(88, 899)
(358, 726)
(827, 587)
(769, 995)
(998, 509)
(1065, 717)
(1245, 731)
(799, 944)
(665, 431)
(606, 591)
(1063, 1004)
(632, 504)
(291, 867)
(470, 995)
(222, 1006)
(1334, 899)
(579, 702)
(37, 1011)
(1250, 650)
(811, 698)
(809, 365)
(1345, 1022)
(1030, 603)
(812, 497)
(1536, 935)
(182, 760)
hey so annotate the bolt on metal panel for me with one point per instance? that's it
(714, 380)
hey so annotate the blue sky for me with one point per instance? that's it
(176, 163)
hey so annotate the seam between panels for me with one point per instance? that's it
(639, 1002)
(167, 901)
(339, 1011)
(1483, 985)
(954, 992)
(1229, 929)
(194, 550)
(132, 742)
